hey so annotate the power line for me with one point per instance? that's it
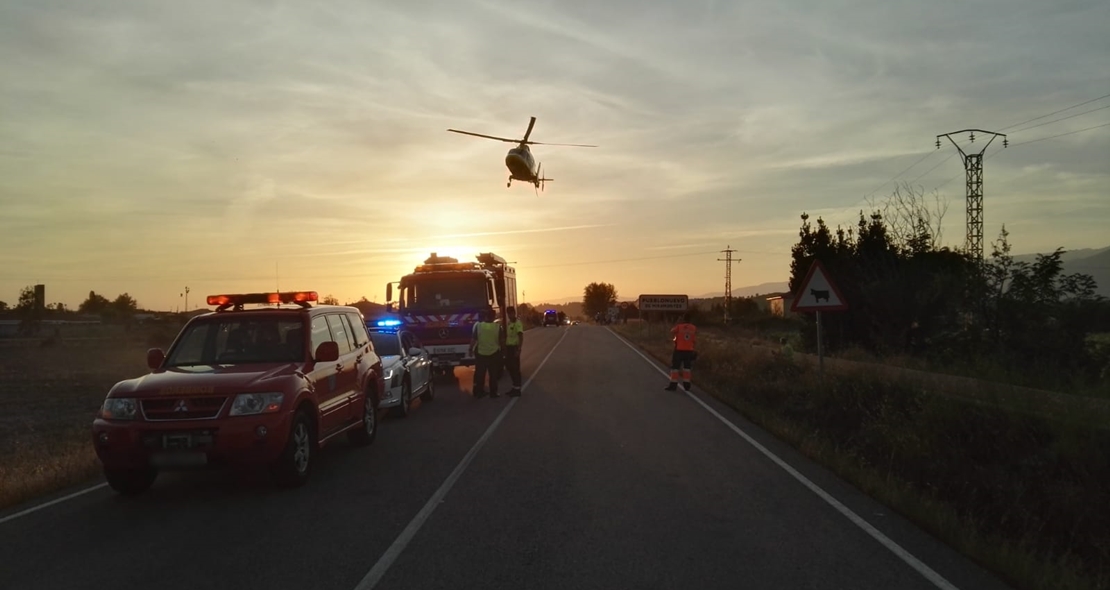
(1024, 143)
(1058, 135)
(620, 260)
(1063, 118)
(1056, 112)
(910, 167)
(1038, 118)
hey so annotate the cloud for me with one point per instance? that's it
(154, 144)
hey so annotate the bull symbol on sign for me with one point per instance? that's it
(817, 295)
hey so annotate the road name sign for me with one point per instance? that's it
(663, 303)
(818, 292)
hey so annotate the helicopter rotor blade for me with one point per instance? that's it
(531, 124)
(562, 144)
(505, 139)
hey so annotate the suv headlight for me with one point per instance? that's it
(249, 404)
(387, 374)
(119, 408)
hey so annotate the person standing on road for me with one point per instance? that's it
(684, 336)
(486, 344)
(514, 342)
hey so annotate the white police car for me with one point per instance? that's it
(406, 366)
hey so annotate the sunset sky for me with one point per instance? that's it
(146, 146)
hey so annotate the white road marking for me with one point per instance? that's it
(886, 541)
(391, 554)
(51, 503)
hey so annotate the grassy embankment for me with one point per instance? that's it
(1015, 479)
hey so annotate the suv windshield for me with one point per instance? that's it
(233, 340)
(434, 293)
(385, 343)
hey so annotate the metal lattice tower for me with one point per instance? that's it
(973, 165)
(728, 260)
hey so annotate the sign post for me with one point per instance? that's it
(818, 293)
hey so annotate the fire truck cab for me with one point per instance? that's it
(442, 299)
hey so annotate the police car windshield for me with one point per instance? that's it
(235, 340)
(438, 293)
(385, 343)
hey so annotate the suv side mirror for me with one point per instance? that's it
(416, 351)
(155, 357)
(327, 352)
(388, 292)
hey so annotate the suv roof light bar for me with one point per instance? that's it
(236, 301)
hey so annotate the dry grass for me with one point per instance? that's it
(49, 396)
(1014, 491)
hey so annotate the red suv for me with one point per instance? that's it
(268, 385)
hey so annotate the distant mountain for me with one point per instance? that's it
(1098, 266)
(1088, 261)
(761, 289)
(1069, 256)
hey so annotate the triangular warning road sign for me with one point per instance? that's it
(818, 293)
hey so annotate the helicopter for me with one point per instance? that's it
(522, 166)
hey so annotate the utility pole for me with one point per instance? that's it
(973, 165)
(186, 299)
(728, 260)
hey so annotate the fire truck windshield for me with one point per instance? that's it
(446, 292)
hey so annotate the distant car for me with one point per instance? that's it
(407, 368)
(268, 385)
(550, 318)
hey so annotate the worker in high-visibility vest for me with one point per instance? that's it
(684, 336)
(514, 341)
(486, 343)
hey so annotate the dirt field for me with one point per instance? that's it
(49, 395)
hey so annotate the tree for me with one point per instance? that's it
(3, 306)
(125, 304)
(94, 304)
(368, 308)
(598, 297)
(329, 300)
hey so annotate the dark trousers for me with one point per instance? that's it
(483, 364)
(512, 364)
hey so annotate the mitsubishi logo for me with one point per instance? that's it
(181, 407)
(443, 333)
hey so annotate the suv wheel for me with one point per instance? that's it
(429, 391)
(366, 432)
(295, 464)
(130, 481)
(405, 408)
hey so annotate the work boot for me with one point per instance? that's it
(494, 394)
(479, 393)
(686, 385)
(514, 392)
(671, 387)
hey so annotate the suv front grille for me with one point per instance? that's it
(187, 408)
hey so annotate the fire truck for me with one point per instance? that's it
(442, 299)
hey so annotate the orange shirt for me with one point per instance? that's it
(685, 336)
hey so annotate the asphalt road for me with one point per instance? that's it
(595, 478)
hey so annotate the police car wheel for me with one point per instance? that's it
(404, 408)
(429, 392)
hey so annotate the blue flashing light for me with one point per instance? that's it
(389, 323)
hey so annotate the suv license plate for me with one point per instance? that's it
(178, 459)
(177, 441)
